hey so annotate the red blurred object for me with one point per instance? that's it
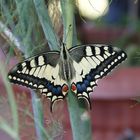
(89, 33)
(121, 84)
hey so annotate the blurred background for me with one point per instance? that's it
(115, 101)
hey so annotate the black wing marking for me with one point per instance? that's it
(41, 72)
(92, 62)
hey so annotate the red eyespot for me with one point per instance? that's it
(65, 88)
(73, 87)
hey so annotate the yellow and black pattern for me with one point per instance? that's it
(92, 62)
(80, 67)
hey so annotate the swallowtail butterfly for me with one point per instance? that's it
(80, 67)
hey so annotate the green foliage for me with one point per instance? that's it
(78, 122)
(30, 24)
(13, 130)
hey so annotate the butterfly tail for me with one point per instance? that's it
(86, 97)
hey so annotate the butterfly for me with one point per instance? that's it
(77, 69)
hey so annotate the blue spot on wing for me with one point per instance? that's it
(86, 82)
(59, 90)
(55, 89)
(49, 86)
(88, 77)
(79, 88)
(82, 86)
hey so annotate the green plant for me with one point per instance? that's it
(30, 27)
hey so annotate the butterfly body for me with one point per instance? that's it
(66, 64)
(80, 67)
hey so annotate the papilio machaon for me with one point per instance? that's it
(79, 67)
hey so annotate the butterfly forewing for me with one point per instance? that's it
(92, 62)
(41, 72)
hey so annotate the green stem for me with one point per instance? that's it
(37, 107)
(15, 129)
(68, 8)
(79, 117)
(46, 24)
(38, 117)
(24, 20)
(50, 35)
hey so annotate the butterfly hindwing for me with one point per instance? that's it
(41, 72)
(92, 62)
